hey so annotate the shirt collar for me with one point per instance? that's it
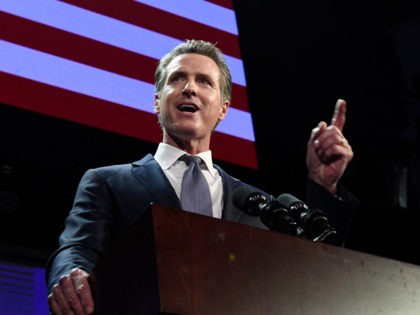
(166, 155)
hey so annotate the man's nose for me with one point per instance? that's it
(189, 89)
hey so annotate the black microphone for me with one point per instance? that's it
(271, 212)
(314, 223)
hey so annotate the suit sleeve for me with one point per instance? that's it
(87, 229)
(340, 209)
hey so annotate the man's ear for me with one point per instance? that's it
(156, 105)
(223, 112)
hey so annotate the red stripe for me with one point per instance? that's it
(223, 3)
(38, 97)
(234, 150)
(77, 48)
(240, 97)
(109, 116)
(162, 22)
(91, 52)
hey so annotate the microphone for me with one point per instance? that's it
(271, 212)
(314, 223)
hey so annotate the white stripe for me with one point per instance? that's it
(66, 74)
(199, 11)
(237, 123)
(104, 29)
(76, 77)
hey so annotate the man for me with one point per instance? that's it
(193, 90)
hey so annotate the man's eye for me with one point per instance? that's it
(204, 81)
(175, 78)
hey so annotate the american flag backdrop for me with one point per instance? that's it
(93, 61)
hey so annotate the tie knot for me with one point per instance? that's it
(188, 159)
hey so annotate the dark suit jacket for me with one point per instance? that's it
(109, 198)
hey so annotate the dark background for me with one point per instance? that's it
(299, 57)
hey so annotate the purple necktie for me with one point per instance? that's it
(195, 192)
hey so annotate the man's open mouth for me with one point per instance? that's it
(187, 108)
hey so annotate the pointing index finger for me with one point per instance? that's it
(339, 117)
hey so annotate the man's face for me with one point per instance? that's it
(190, 102)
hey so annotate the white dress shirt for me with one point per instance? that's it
(167, 156)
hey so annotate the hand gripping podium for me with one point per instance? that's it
(169, 261)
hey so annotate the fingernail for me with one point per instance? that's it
(89, 310)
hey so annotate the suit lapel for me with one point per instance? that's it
(148, 172)
(150, 175)
(229, 211)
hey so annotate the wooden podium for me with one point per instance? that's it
(169, 261)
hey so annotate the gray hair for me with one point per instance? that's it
(200, 47)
